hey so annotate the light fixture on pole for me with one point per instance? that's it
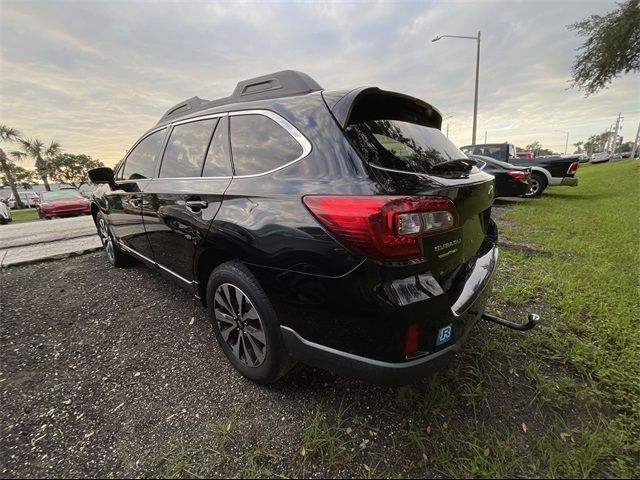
(475, 100)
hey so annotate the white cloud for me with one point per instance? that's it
(95, 75)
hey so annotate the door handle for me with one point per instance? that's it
(196, 205)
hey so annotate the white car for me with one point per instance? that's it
(600, 157)
(5, 214)
(29, 199)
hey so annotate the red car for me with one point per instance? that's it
(62, 203)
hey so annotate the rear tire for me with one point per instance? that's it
(115, 255)
(245, 324)
(538, 185)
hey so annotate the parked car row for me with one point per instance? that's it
(57, 203)
(546, 171)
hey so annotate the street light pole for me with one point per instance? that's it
(475, 99)
(566, 145)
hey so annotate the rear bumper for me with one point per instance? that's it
(564, 182)
(461, 317)
(368, 369)
(62, 213)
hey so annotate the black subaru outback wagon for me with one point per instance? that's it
(341, 229)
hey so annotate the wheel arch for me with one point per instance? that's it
(544, 171)
(205, 262)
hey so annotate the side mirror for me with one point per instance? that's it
(101, 175)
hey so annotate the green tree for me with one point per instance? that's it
(537, 149)
(72, 169)
(611, 48)
(8, 134)
(579, 148)
(42, 154)
(624, 147)
(21, 176)
(596, 143)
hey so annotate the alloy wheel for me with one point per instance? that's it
(107, 242)
(240, 325)
(535, 186)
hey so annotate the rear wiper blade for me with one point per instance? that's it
(458, 165)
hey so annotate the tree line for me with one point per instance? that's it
(50, 163)
(594, 144)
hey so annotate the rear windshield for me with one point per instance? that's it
(404, 146)
(60, 195)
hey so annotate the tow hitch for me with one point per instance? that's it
(534, 318)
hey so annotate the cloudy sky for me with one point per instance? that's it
(94, 74)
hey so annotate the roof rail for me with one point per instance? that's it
(274, 85)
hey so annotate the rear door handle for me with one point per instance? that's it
(196, 204)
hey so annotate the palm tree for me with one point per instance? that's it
(8, 134)
(34, 148)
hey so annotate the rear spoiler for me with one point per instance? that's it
(371, 103)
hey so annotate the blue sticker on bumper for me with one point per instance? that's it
(444, 335)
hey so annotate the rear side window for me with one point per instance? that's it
(403, 146)
(259, 144)
(140, 163)
(217, 163)
(186, 149)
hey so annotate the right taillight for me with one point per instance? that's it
(519, 175)
(383, 227)
(573, 168)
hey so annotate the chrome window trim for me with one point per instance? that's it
(289, 128)
(197, 119)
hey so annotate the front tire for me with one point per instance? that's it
(115, 255)
(538, 185)
(245, 324)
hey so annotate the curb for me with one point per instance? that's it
(53, 258)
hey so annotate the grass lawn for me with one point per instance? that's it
(24, 215)
(560, 401)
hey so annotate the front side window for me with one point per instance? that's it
(404, 146)
(186, 148)
(259, 144)
(140, 163)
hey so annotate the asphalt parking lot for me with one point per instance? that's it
(105, 370)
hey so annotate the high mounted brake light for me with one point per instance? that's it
(381, 226)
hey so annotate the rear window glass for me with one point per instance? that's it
(60, 195)
(259, 144)
(404, 146)
(499, 152)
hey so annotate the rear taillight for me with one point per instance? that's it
(519, 175)
(573, 168)
(383, 227)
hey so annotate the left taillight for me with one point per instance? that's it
(383, 227)
(573, 168)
